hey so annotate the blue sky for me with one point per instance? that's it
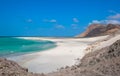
(55, 17)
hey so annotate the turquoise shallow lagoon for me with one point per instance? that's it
(11, 46)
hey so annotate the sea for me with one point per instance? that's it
(14, 46)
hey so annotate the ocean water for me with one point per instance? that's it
(13, 46)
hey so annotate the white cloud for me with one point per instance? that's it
(60, 26)
(116, 16)
(112, 19)
(105, 22)
(95, 22)
(112, 22)
(75, 20)
(51, 21)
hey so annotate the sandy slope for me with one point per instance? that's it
(107, 43)
(67, 50)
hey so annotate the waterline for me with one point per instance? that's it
(11, 46)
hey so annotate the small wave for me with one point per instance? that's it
(19, 45)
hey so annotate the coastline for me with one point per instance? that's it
(65, 54)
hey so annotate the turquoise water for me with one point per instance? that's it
(10, 46)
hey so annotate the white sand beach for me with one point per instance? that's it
(65, 54)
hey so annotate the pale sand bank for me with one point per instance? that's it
(67, 50)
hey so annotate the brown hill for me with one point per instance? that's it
(100, 30)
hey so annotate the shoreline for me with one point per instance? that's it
(64, 54)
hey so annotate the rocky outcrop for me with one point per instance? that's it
(104, 62)
(10, 68)
(100, 30)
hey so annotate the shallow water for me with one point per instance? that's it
(10, 45)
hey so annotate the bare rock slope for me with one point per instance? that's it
(100, 30)
(104, 62)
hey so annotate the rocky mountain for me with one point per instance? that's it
(100, 30)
